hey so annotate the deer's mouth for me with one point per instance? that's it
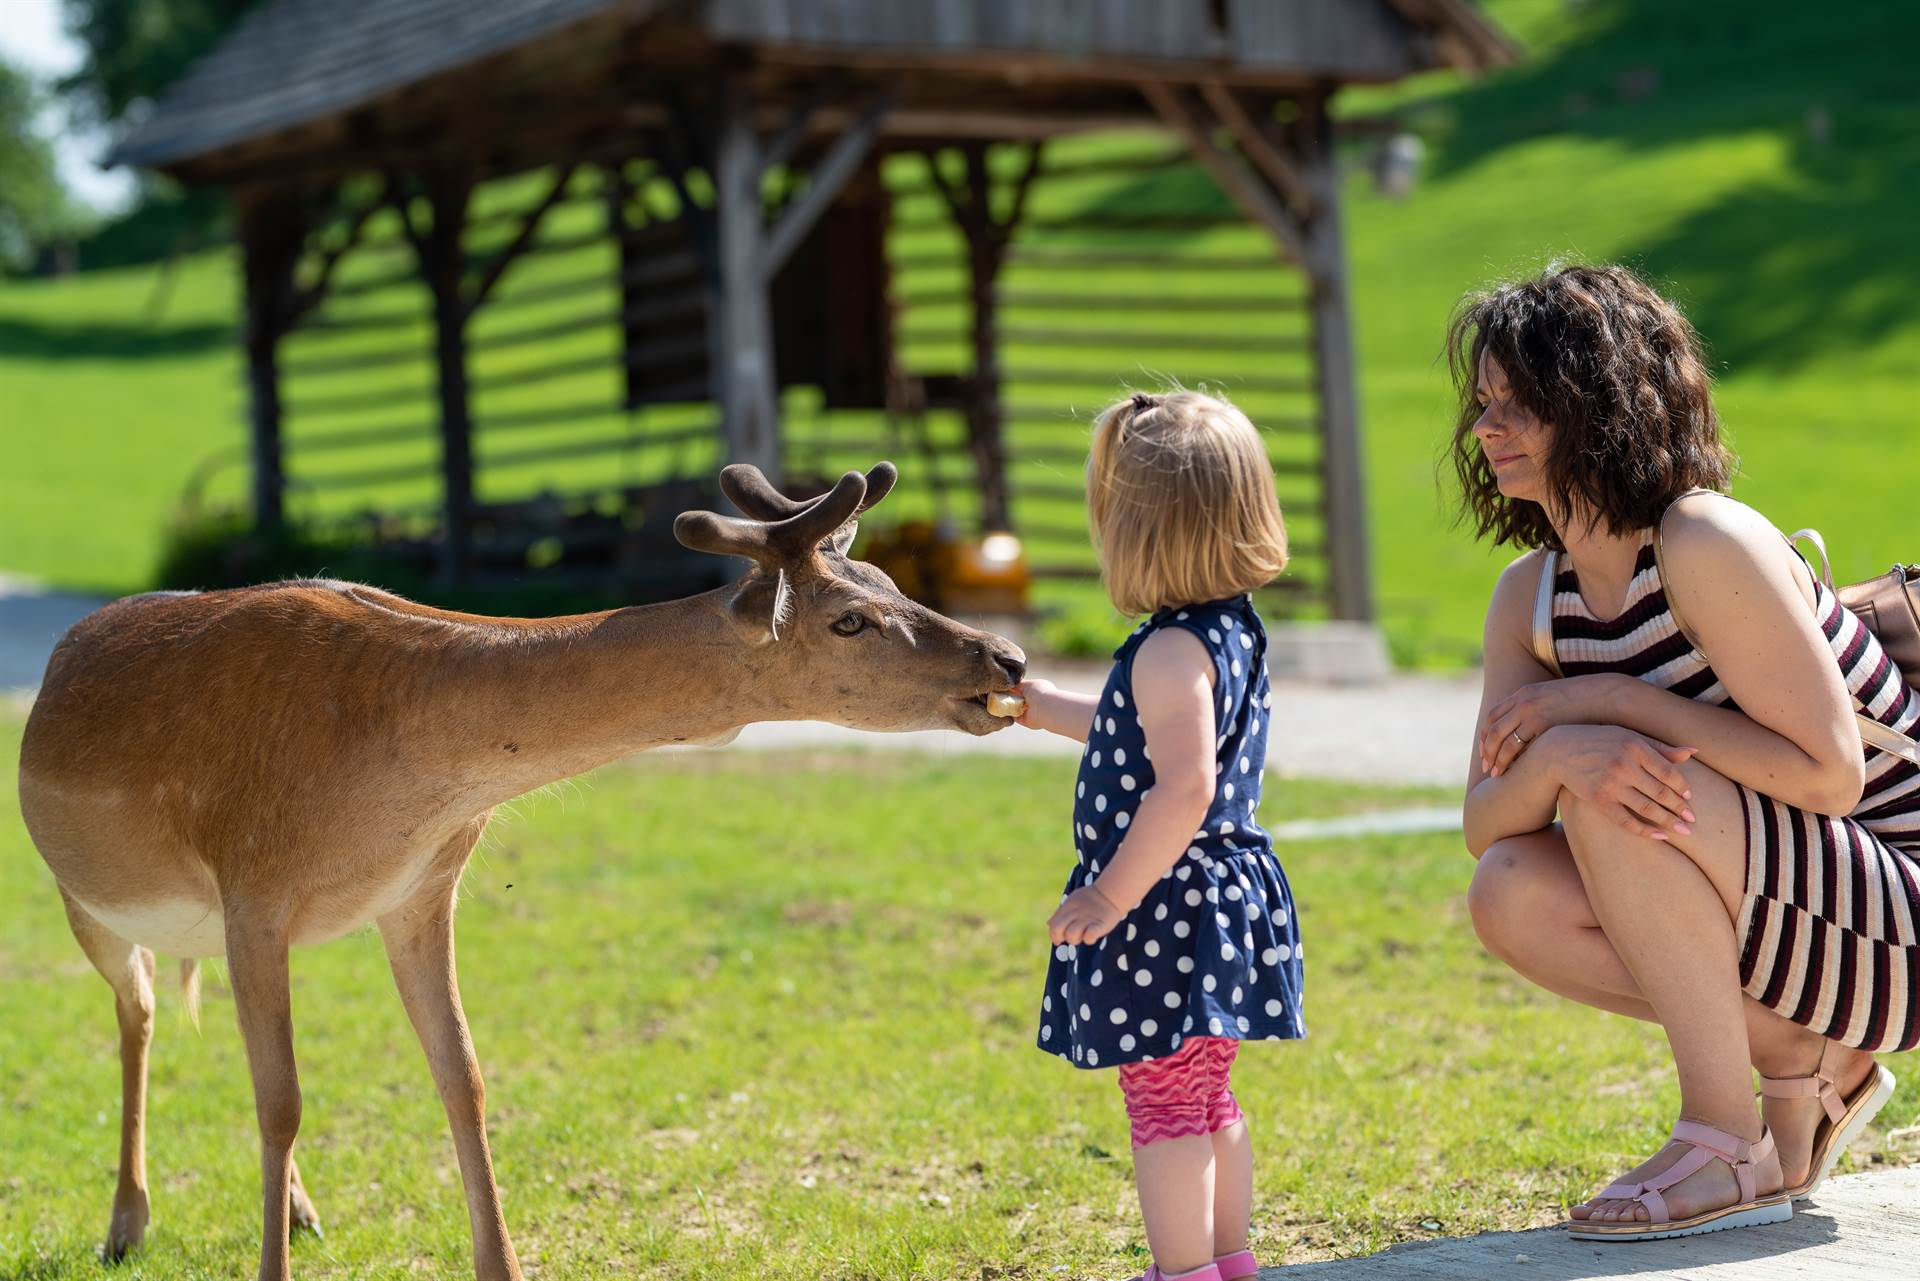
(970, 715)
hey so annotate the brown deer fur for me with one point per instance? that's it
(236, 772)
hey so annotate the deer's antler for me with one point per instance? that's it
(778, 542)
(747, 487)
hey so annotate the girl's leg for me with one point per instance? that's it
(1173, 1165)
(1232, 1150)
(1531, 910)
(1232, 1188)
(1175, 1180)
(1668, 907)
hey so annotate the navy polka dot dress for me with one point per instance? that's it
(1213, 949)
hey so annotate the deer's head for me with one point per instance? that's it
(845, 645)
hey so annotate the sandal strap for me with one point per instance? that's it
(1708, 1143)
(1819, 1085)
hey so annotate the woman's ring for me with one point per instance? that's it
(1519, 740)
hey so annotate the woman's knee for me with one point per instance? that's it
(1510, 894)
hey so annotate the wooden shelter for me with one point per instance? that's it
(744, 155)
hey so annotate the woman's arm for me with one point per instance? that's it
(1058, 711)
(1750, 601)
(1173, 691)
(1524, 797)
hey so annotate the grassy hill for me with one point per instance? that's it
(1756, 159)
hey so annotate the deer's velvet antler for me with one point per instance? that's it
(749, 490)
(788, 531)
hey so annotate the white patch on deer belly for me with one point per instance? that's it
(332, 915)
(174, 927)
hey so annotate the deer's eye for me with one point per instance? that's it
(851, 623)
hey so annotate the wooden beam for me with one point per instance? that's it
(824, 183)
(1242, 185)
(444, 267)
(1349, 568)
(305, 300)
(529, 228)
(271, 231)
(741, 338)
(1259, 147)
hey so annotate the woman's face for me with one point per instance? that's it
(1513, 440)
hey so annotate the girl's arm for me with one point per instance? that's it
(1741, 590)
(1059, 711)
(1173, 680)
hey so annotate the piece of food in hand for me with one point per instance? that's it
(1006, 704)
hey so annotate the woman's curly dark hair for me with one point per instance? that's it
(1616, 374)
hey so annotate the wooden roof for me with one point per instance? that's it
(295, 76)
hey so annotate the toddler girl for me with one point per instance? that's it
(1176, 938)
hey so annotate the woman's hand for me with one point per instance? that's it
(1530, 711)
(1635, 780)
(1084, 916)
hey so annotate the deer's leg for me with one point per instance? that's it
(128, 969)
(257, 964)
(301, 1213)
(419, 939)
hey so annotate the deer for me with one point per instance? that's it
(241, 771)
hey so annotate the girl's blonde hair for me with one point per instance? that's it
(1181, 498)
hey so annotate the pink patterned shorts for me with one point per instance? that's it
(1184, 1094)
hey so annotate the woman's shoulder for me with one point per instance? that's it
(1704, 530)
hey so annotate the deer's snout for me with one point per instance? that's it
(1009, 658)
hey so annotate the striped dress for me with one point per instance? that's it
(1829, 932)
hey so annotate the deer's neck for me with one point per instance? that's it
(553, 698)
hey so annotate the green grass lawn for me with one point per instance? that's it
(771, 1017)
(1684, 139)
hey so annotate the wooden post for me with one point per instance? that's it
(271, 234)
(985, 253)
(444, 265)
(632, 292)
(988, 237)
(1343, 468)
(742, 352)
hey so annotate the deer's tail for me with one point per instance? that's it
(190, 989)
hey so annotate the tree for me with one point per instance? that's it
(34, 207)
(136, 48)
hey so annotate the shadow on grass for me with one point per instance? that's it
(95, 340)
(1775, 273)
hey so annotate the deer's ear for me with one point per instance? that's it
(842, 540)
(762, 607)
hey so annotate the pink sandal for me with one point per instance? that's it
(1208, 1272)
(1237, 1266)
(1845, 1117)
(1706, 1144)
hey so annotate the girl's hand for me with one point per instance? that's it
(1084, 916)
(1635, 780)
(1035, 691)
(1530, 711)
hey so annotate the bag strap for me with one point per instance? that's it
(1543, 611)
(1872, 732)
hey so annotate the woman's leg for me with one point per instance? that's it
(1668, 907)
(1531, 910)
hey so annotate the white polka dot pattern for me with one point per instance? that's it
(1214, 945)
